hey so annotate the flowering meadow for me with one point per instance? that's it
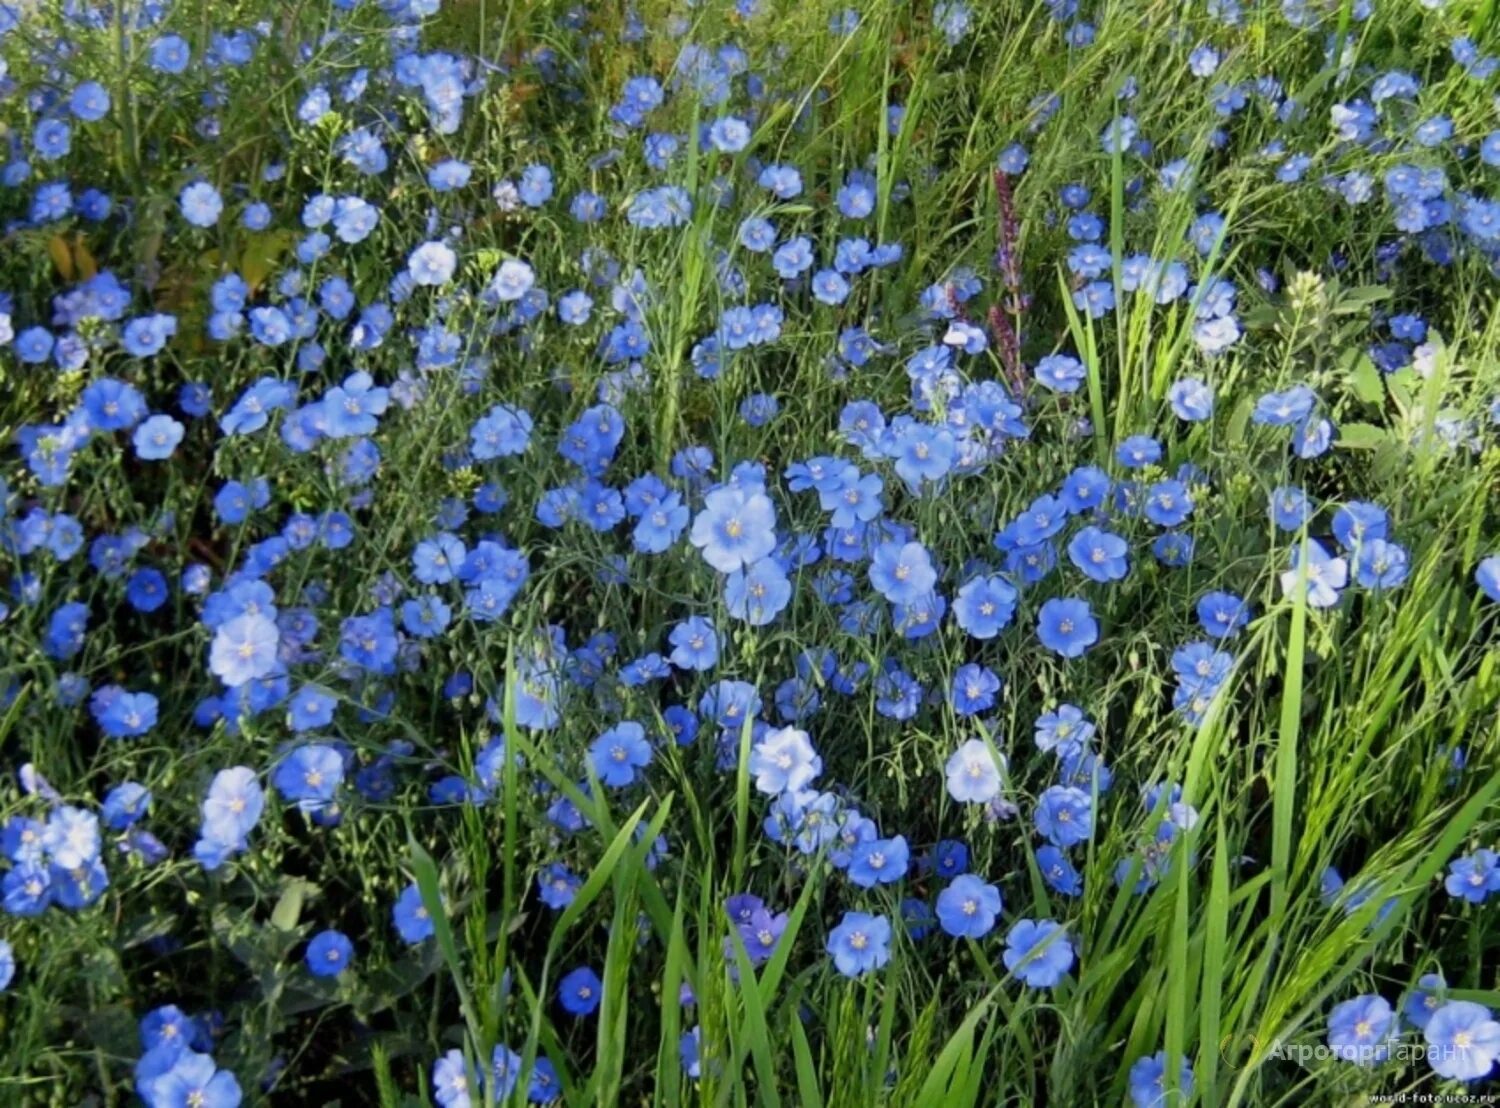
(749, 553)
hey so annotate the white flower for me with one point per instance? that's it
(973, 774)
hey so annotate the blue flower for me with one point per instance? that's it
(949, 858)
(244, 649)
(354, 219)
(156, 439)
(1065, 815)
(432, 263)
(1474, 877)
(310, 776)
(1067, 627)
(1138, 451)
(860, 943)
(783, 181)
(878, 861)
(252, 411)
(410, 916)
(328, 954)
(1353, 897)
(1148, 1081)
(1424, 1000)
(71, 837)
(953, 18)
(201, 204)
(1061, 372)
(856, 197)
(1099, 554)
(26, 889)
(535, 188)
(829, 287)
(902, 572)
(453, 1081)
(984, 606)
(1119, 135)
(1038, 952)
(660, 525)
(1325, 575)
(78, 888)
(757, 234)
(310, 708)
(230, 811)
(1283, 409)
(792, 258)
(557, 886)
(171, 1027)
(113, 405)
(512, 281)
(735, 529)
(505, 1069)
(1290, 509)
(1379, 564)
(1463, 1040)
(146, 591)
(618, 753)
(1200, 668)
(1489, 152)
(580, 991)
(1357, 522)
(1487, 577)
(1168, 503)
(352, 408)
(854, 499)
(270, 326)
(974, 689)
(34, 345)
(968, 907)
(922, 454)
(575, 308)
(435, 561)
(1064, 732)
(1043, 518)
(759, 593)
(1058, 872)
(503, 431)
(1222, 614)
(125, 804)
(89, 102)
(147, 335)
(190, 1078)
(1084, 489)
(1361, 1030)
(695, 646)
(124, 715)
(1013, 159)
(759, 409)
(729, 135)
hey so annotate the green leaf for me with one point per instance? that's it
(807, 1074)
(289, 908)
(261, 256)
(953, 1061)
(1364, 380)
(754, 1030)
(426, 873)
(1358, 300)
(1284, 773)
(1362, 436)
